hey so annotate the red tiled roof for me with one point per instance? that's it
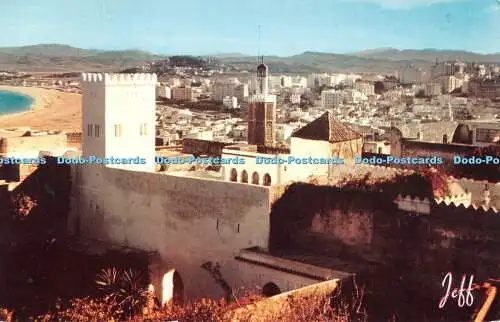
(326, 128)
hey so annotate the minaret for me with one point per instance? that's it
(262, 111)
(262, 78)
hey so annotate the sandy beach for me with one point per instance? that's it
(51, 110)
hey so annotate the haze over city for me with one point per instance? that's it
(288, 27)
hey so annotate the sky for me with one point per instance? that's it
(288, 27)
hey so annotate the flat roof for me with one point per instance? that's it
(259, 257)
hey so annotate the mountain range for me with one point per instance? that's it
(63, 58)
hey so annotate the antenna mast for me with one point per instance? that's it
(259, 54)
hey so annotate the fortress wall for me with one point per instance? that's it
(364, 229)
(32, 144)
(74, 139)
(189, 221)
(369, 226)
(476, 187)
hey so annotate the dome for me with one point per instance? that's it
(262, 70)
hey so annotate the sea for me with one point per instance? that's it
(12, 102)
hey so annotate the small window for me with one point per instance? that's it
(97, 130)
(89, 130)
(144, 129)
(118, 130)
(244, 177)
(234, 175)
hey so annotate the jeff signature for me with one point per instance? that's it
(463, 294)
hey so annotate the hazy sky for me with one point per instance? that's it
(221, 26)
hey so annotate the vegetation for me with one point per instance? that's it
(420, 94)
(124, 300)
(55, 57)
(490, 172)
(429, 55)
(23, 204)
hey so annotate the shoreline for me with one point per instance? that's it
(50, 110)
(31, 99)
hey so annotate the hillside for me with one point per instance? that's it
(429, 55)
(311, 62)
(62, 58)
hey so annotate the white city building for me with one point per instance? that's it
(163, 92)
(286, 81)
(225, 88)
(230, 102)
(299, 81)
(295, 98)
(274, 82)
(413, 75)
(331, 98)
(365, 88)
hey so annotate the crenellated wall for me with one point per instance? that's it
(119, 79)
(433, 235)
(476, 188)
(459, 199)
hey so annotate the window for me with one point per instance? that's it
(144, 129)
(255, 178)
(89, 130)
(267, 180)
(487, 135)
(234, 175)
(97, 130)
(118, 130)
(244, 177)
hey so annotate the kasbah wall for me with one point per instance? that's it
(189, 221)
(368, 227)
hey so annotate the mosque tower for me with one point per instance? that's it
(262, 111)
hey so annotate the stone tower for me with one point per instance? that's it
(118, 118)
(262, 112)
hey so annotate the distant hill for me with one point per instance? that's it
(227, 55)
(62, 58)
(311, 62)
(429, 55)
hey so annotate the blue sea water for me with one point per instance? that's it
(12, 102)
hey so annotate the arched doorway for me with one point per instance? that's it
(234, 175)
(255, 178)
(172, 288)
(244, 176)
(270, 289)
(267, 180)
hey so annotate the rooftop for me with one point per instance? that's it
(289, 264)
(326, 128)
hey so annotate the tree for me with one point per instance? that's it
(420, 94)
(306, 100)
(379, 87)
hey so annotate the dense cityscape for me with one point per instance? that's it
(210, 103)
